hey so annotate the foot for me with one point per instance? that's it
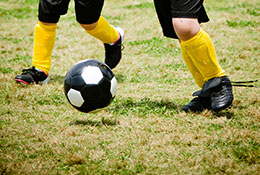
(113, 52)
(219, 91)
(197, 104)
(32, 75)
(222, 96)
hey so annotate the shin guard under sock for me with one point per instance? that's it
(44, 39)
(104, 31)
(199, 79)
(201, 51)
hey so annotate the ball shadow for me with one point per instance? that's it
(145, 104)
(103, 122)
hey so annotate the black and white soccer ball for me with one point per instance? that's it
(90, 85)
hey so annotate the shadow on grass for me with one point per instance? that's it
(103, 122)
(164, 107)
(143, 106)
(226, 114)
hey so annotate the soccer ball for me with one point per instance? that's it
(90, 85)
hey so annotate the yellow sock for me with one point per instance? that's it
(202, 52)
(44, 39)
(199, 79)
(104, 31)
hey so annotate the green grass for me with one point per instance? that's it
(143, 131)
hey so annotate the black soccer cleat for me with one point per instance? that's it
(219, 90)
(215, 95)
(113, 52)
(32, 75)
(197, 104)
(222, 96)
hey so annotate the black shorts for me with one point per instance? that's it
(87, 11)
(168, 9)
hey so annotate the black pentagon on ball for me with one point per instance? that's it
(95, 96)
(67, 83)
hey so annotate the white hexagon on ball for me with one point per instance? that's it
(113, 86)
(92, 75)
(75, 97)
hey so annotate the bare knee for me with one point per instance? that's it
(185, 28)
(48, 24)
(89, 26)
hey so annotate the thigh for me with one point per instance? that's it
(50, 10)
(88, 11)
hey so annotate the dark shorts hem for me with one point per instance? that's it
(184, 15)
(87, 11)
(47, 19)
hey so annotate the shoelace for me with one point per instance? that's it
(32, 69)
(244, 83)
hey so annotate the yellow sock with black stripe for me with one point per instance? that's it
(201, 51)
(104, 31)
(44, 39)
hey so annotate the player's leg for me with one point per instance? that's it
(102, 30)
(198, 77)
(200, 50)
(198, 46)
(44, 39)
(164, 12)
(197, 51)
(88, 15)
(198, 103)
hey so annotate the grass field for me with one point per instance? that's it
(144, 130)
